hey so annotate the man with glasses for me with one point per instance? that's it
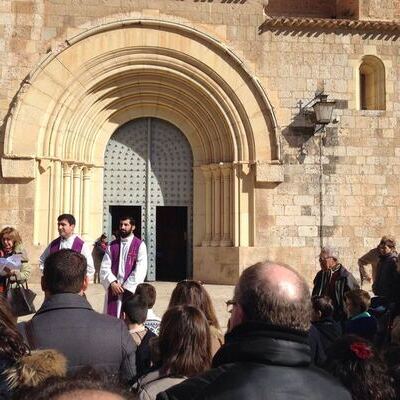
(266, 354)
(333, 281)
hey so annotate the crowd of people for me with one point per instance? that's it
(283, 340)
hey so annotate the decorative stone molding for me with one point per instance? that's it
(16, 168)
(388, 27)
(269, 173)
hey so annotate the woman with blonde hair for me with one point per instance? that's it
(193, 293)
(10, 245)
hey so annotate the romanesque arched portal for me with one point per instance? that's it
(101, 79)
(148, 173)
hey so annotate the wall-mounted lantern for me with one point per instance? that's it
(323, 109)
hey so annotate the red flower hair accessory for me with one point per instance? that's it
(361, 350)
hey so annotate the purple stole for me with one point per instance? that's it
(130, 265)
(76, 245)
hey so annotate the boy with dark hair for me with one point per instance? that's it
(149, 294)
(324, 329)
(135, 310)
(360, 322)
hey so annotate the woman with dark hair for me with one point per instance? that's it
(189, 292)
(184, 350)
(11, 245)
(12, 346)
(357, 364)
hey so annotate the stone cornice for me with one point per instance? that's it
(388, 27)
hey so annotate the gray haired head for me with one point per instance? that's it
(330, 251)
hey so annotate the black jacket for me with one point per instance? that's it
(321, 335)
(343, 284)
(387, 282)
(67, 323)
(259, 361)
(366, 327)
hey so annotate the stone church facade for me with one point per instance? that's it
(195, 116)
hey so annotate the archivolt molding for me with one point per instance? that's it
(76, 98)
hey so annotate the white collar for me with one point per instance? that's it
(128, 239)
(152, 315)
(71, 238)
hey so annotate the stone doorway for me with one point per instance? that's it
(148, 166)
(172, 243)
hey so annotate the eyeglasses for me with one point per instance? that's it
(229, 305)
(324, 258)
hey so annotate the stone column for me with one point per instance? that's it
(85, 212)
(244, 205)
(56, 199)
(76, 196)
(226, 202)
(216, 201)
(67, 171)
(208, 205)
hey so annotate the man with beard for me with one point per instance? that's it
(124, 266)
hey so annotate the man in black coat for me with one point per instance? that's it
(266, 354)
(333, 280)
(387, 282)
(66, 322)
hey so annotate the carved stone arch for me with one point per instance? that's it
(76, 98)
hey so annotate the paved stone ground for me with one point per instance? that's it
(95, 294)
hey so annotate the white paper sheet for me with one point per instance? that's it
(12, 262)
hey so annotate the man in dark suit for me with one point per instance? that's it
(66, 321)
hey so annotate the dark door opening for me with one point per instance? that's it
(117, 212)
(171, 243)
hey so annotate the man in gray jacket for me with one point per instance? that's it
(66, 322)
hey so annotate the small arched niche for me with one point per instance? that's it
(372, 84)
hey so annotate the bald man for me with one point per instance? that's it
(266, 354)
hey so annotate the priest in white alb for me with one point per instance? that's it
(124, 266)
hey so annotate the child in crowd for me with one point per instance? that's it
(149, 294)
(135, 309)
(324, 329)
(360, 321)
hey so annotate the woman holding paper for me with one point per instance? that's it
(13, 259)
